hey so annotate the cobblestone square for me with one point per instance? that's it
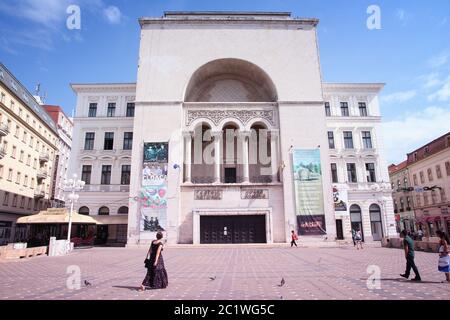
(240, 273)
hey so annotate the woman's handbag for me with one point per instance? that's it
(148, 263)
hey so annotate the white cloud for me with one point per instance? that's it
(413, 131)
(401, 96)
(403, 16)
(439, 60)
(443, 94)
(430, 80)
(113, 14)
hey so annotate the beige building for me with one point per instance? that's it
(429, 173)
(403, 197)
(28, 139)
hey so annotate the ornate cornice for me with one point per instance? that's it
(216, 116)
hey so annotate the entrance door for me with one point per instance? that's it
(233, 229)
(230, 175)
(339, 229)
(375, 222)
(102, 235)
(356, 219)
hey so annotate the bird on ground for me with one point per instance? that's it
(282, 282)
(212, 278)
(87, 283)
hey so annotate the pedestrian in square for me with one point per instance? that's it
(294, 238)
(444, 257)
(156, 277)
(408, 245)
(353, 237)
(358, 239)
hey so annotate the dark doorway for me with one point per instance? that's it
(339, 230)
(102, 235)
(230, 175)
(356, 219)
(233, 229)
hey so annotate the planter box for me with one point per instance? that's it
(8, 253)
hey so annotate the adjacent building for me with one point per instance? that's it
(64, 146)
(403, 197)
(28, 146)
(359, 174)
(101, 155)
(429, 172)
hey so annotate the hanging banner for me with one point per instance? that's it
(340, 198)
(308, 192)
(152, 197)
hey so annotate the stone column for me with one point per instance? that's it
(217, 155)
(274, 134)
(187, 155)
(245, 135)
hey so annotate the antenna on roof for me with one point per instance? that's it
(38, 89)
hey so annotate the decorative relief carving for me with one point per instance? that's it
(255, 194)
(208, 194)
(216, 116)
(94, 99)
(128, 99)
(112, 98)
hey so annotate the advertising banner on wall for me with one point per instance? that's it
(153, 194)
(340, 198)
(308, 189)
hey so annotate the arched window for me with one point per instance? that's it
(356, 219)
(84, 211)
(375, 222)
(123, 210)
(103, 211)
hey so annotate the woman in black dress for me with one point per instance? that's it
(156, 277)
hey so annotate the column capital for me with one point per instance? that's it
(244, 134)
(188, 134)
(216, 134)
(274, 134)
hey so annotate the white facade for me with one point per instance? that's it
(366, 149)
(244, 72)
(109, 195)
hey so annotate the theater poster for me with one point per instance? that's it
(308, 189)
(153, 193)
(340, 198)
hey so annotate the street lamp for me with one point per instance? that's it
(72, 185)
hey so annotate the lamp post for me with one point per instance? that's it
(72, 185)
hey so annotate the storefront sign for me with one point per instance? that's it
(308, 192)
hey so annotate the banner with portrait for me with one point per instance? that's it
(308, 188)
(340, 199)
(153, 193)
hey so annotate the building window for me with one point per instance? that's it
(22, 155)
(29, 160)
(1, 171)
(14, 202)
(86, 174)
(25, 181)
(422, 177)
(31, 142)
(128, 141)
(351, 173)
(89, 141)
(111, 110)
(433, 197)
(438, 171)
(106, 175)
(370, 168)
(331, 140)
(109, 141)
(367, 140)
(22, 202)
(327, 109)
(348, 140)
(18, 177)
(92, 110)
(6, 199)
(14, 152)
(447, 168)
(443, 195)
(32, 183)
(362, 109)
(408, 203)
(425, 199)
(334, 173)
(123, 210)
(344, 109)
(430, 174)
(126, 174)
(84, 211)
(130, 109)
(415, 180)
(10, 174)
(103, 211)
(418, 200)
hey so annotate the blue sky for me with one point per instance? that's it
(411, 52)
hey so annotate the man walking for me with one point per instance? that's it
(294, 238)
(408, 245)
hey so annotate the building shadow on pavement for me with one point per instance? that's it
(126, 287)
(405, 281)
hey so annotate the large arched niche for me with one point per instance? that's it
(230, 80)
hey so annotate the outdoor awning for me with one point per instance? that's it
(111, 220)
(56, 216)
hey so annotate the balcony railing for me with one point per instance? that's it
(39, 193)
(41, 174)
(44, 157)
(106, 188)
(4, 130)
